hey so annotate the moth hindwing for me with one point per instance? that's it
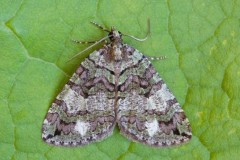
(116, 84)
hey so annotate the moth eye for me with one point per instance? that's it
(110, 35)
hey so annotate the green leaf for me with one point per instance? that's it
(200, 39)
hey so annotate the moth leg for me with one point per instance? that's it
(99, 26)
(83, 42)
(154, 58)
(89, 47)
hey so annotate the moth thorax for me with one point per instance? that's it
(117, 53)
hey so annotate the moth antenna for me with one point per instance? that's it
(88, 48)
(99, 26)
(139, 39)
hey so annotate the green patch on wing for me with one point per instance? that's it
(200, 39)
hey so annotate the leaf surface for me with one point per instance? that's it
(200, 39)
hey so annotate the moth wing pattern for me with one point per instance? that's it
(147, 111)
(83, 112)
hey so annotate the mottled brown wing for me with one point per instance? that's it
(147, 111)
(84, 110)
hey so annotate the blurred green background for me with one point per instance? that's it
(199, 37)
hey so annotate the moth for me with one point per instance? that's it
(116, 84)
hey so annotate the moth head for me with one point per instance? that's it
(114, 34)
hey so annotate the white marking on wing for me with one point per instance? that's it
(73, 100)
(152, 127)
(159, 100)
(81, 127)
